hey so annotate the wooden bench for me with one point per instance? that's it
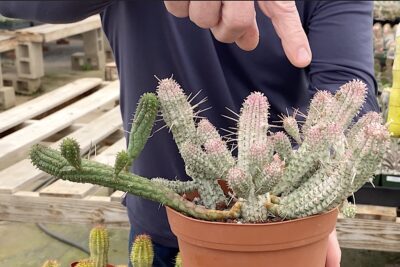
(29, 49)
(29, 195)
(7, 94)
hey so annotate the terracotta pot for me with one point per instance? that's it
(75, 263)
(296, 243)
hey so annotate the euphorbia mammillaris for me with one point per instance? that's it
(334, 156)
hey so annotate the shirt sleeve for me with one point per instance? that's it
(53, 11)
(340, 36)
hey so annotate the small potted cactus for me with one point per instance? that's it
(98, 246)
(281, 203)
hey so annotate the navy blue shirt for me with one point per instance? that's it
(148, 41)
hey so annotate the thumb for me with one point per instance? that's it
(287, 24)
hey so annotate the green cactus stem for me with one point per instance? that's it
(177, 186)
(99, 245)
(252, 127)
(51, 263)
(142, 253)
(282, 145)
(121, 162)
(85, 263)
(142, 124)
(70, 150)
(292, 128)
(51, 161)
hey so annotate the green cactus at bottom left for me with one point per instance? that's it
(98, 245)
(142, 253)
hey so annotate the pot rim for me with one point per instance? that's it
(252, 224)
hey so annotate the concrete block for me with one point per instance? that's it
(29, 60)
(111, 72)
(77, 61)
(7, 97)
(93, 47)
(27, 86)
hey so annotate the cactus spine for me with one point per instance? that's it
(335, 157)
(98, 245)
(142, 253)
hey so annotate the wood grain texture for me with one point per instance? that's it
(369, 234)
(23, 174)
(26, 206)
(14, 146)
(51, 32)
(41, 104)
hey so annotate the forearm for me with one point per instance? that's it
(52, 11)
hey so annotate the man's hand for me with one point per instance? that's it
(334, 254)
(235, 22)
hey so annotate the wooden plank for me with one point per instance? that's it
(376, 212)
(62, 188)
(117, 196)
(51, 32)
(41, 104)
(369, 234)
(14, 146)
(23, 174)
(7, 42)
(26, 206)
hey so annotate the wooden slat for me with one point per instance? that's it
(369, 234)
(7, 42)
(41, 104)
(23, 174)
(376, 212)
(26, 206)
(62, 188)
(14, 146)
(51, 32)
(117, 196)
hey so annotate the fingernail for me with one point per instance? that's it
(303, 55)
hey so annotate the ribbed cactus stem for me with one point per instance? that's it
(85, 263)
(71, 152)
(177, 186)
(51, 263)
(314, 148)
(219, 156)
(206, 131)
(240, 182)
(282, 145)
(253, 208)
(271, 175)
(252, 126)
(142, 253)
(99, 245)
(51, 161)
(121, 162)
(142, 124)
(350, 98)
(176, 111)
(320, 110)
(178, 260)
(259, 155)
(292, 128)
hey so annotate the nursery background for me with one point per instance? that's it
(61, 80)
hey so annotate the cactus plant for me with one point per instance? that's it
(142, 253)
(85, 263)
(51, 263)
(98, 245)
(334, 158)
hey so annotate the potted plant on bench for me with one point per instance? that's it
(281, 203)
